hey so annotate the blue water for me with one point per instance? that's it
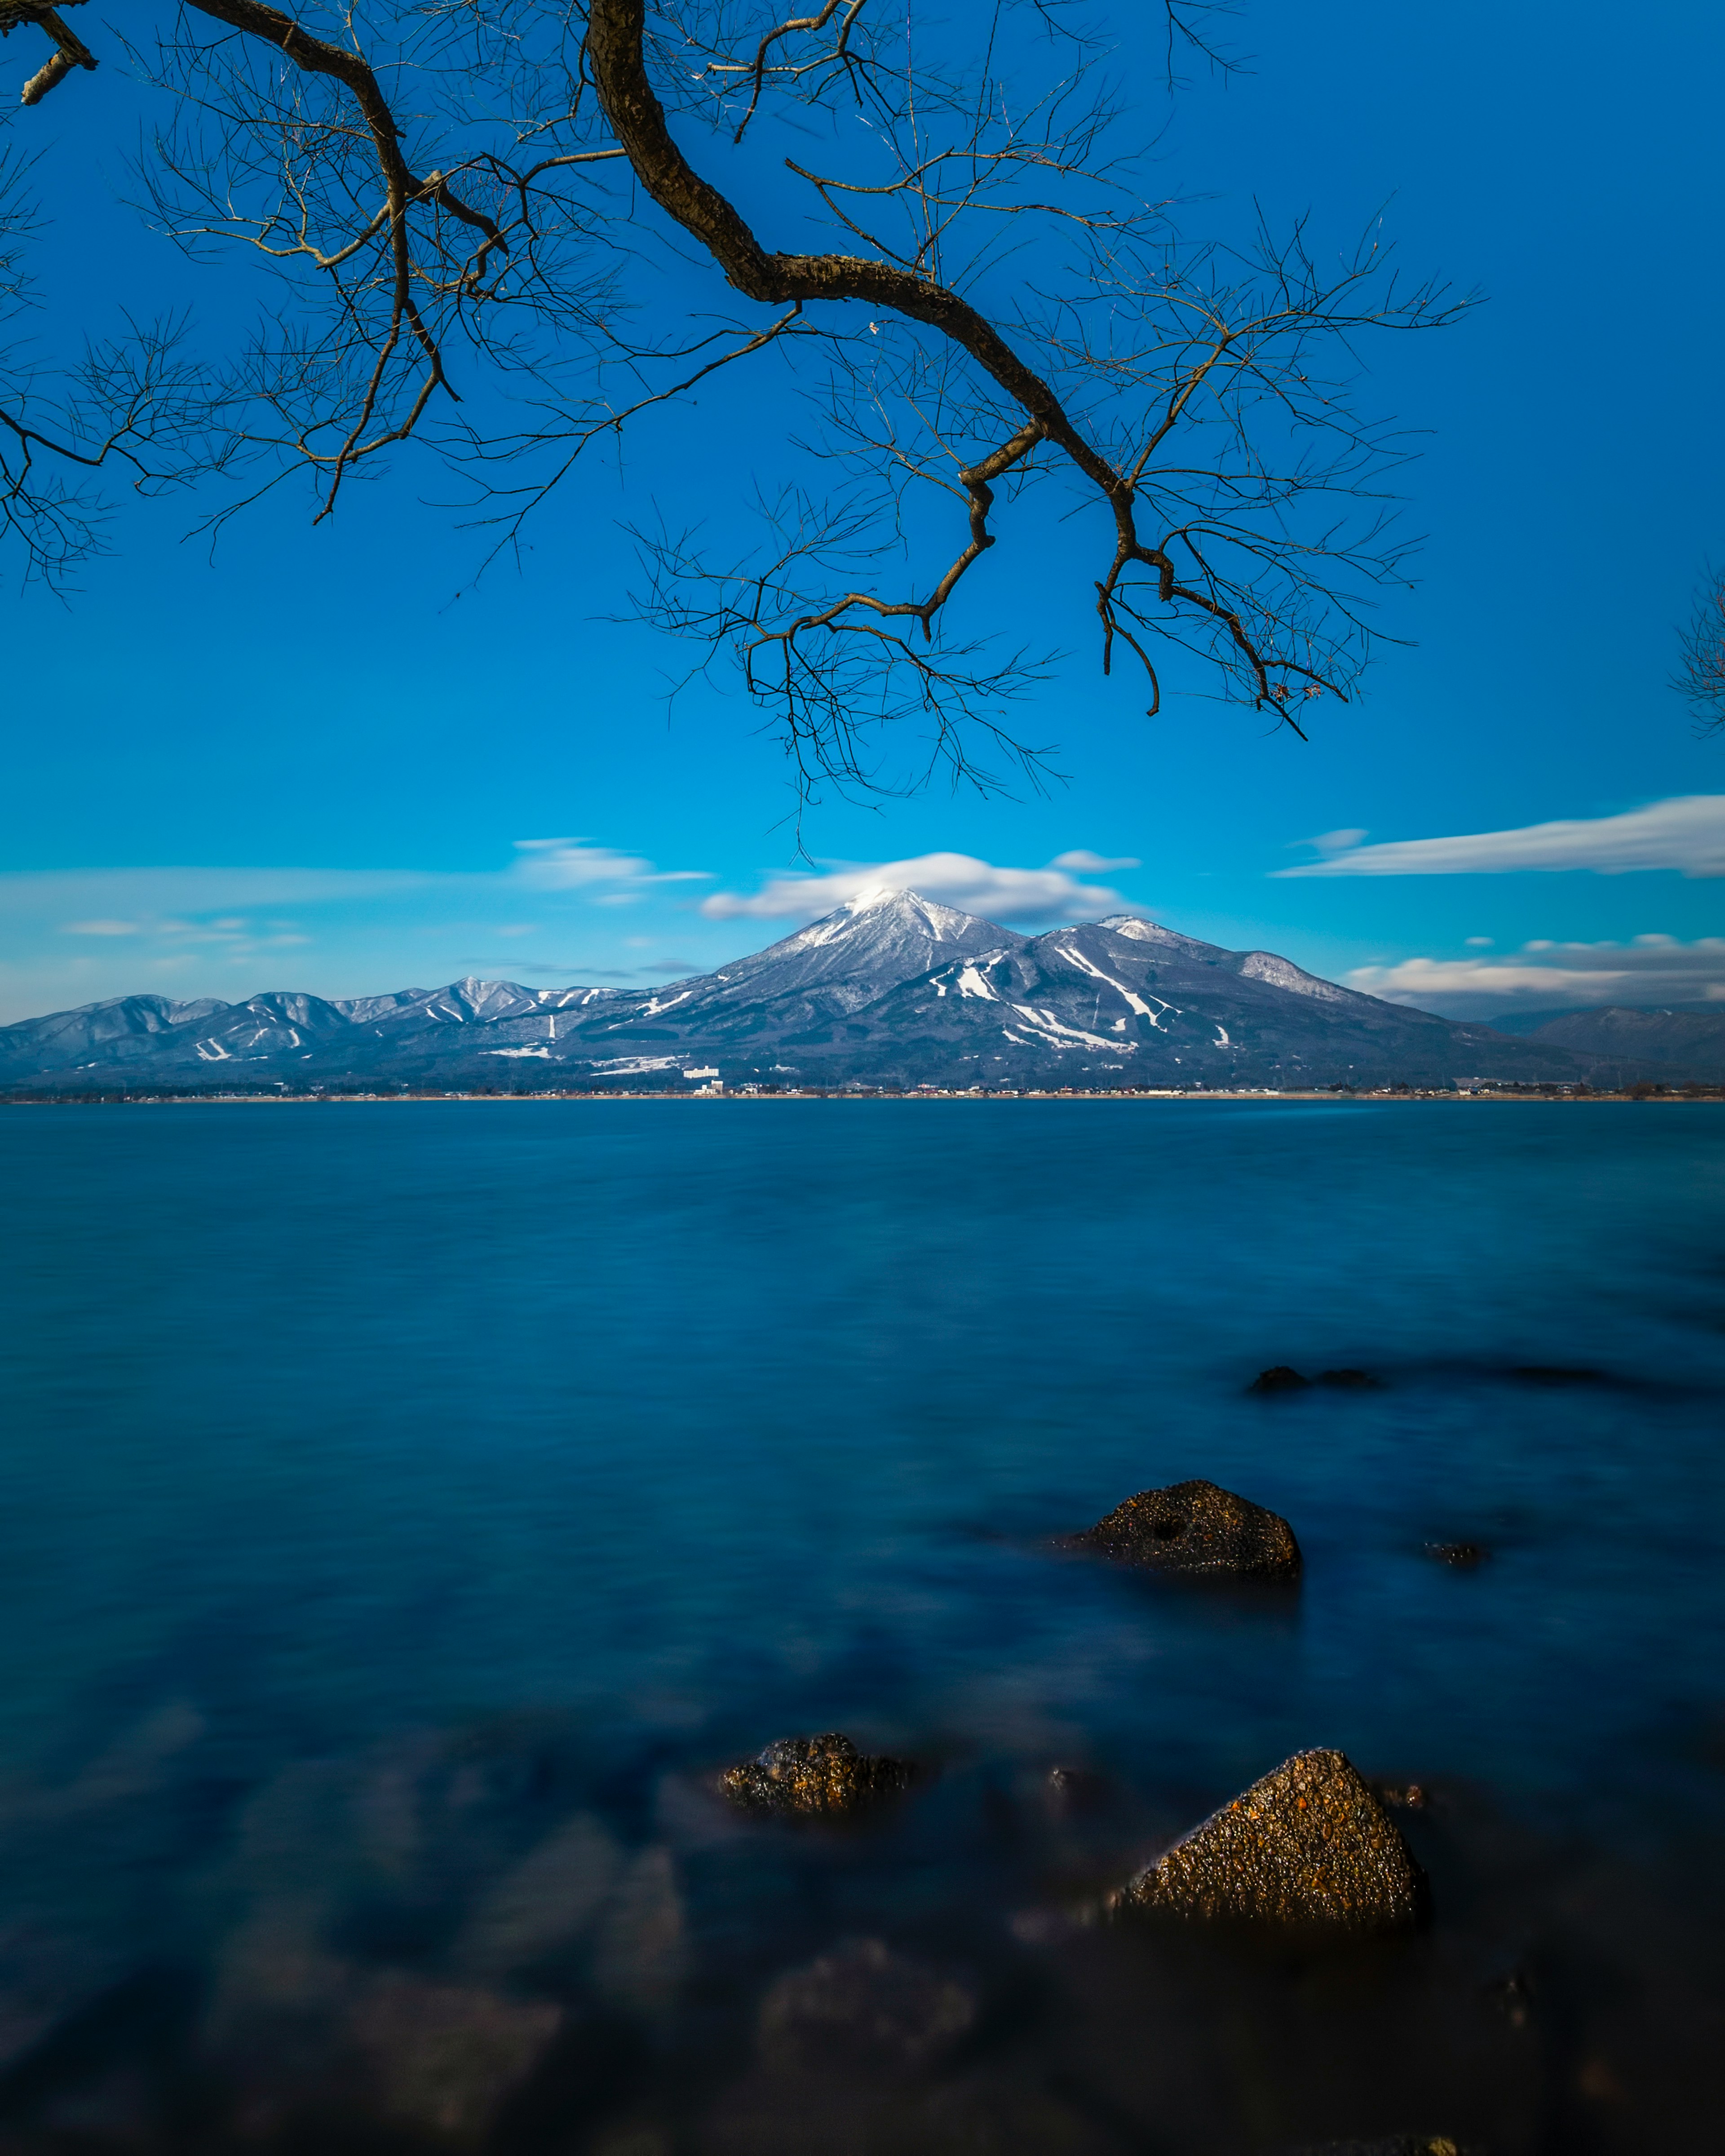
(336, 1433)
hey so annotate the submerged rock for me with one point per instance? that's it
(1513, 1997)
(1194, 1527)
(1464, 1556)
(1308, 1847)
(445, 2058)
(864, 2052)
(1070, 1789)
(1283, 1380)
(1396, 2144)
(1403, 1796)
(639, 1949)
(863, 2009)
(1280, 1380)
(813, 1777)
(546, 1905)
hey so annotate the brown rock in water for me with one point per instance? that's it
(813, 1777)
(1194, 1527)
(1309, 1848)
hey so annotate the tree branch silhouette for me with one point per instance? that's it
(449, 201)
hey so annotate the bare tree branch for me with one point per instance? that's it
(69, 49)
(1700, 672)
(448, 200)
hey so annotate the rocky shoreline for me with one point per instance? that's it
(438, 1945)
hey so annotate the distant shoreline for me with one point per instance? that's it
(1524, 1096)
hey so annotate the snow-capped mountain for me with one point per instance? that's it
(891, 988)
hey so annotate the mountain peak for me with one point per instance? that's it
(884, 915)
(877, 938)
(909, 906)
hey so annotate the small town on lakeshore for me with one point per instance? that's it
(716, 1089)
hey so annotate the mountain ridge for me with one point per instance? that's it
(890, 988)
(1646, 1037)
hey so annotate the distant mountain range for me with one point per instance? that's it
(1689, 1037)
(891, 989)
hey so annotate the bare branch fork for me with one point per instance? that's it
(615, 30)
(70, 50)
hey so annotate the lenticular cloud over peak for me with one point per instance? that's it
(1048, 895)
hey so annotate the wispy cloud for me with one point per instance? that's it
(575, 864)
(72, 936)
(1652, 969)
(234, 932)
(1333, 842)
(133, 900)
(1086, 863)
(1687, 832)
(959, 879)
(573, 970)
(181, 903)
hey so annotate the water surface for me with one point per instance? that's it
(407, 1505)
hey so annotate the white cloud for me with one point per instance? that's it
(1652, 969)
(70, 936)
(959, 879)
(179, 902)
(1687, 832)
(567, 864)
(1087, 863)
(228, 929)
(1333, 842)
(570, 864)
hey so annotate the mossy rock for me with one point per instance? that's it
(1197, 1527)
(814, 1777)
(1308, 1848)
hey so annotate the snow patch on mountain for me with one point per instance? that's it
(1136, 1001)
(1282, 973)
(1050, 1029)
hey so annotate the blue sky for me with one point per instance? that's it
(309, 764)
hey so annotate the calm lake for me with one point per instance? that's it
(407, 1507)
